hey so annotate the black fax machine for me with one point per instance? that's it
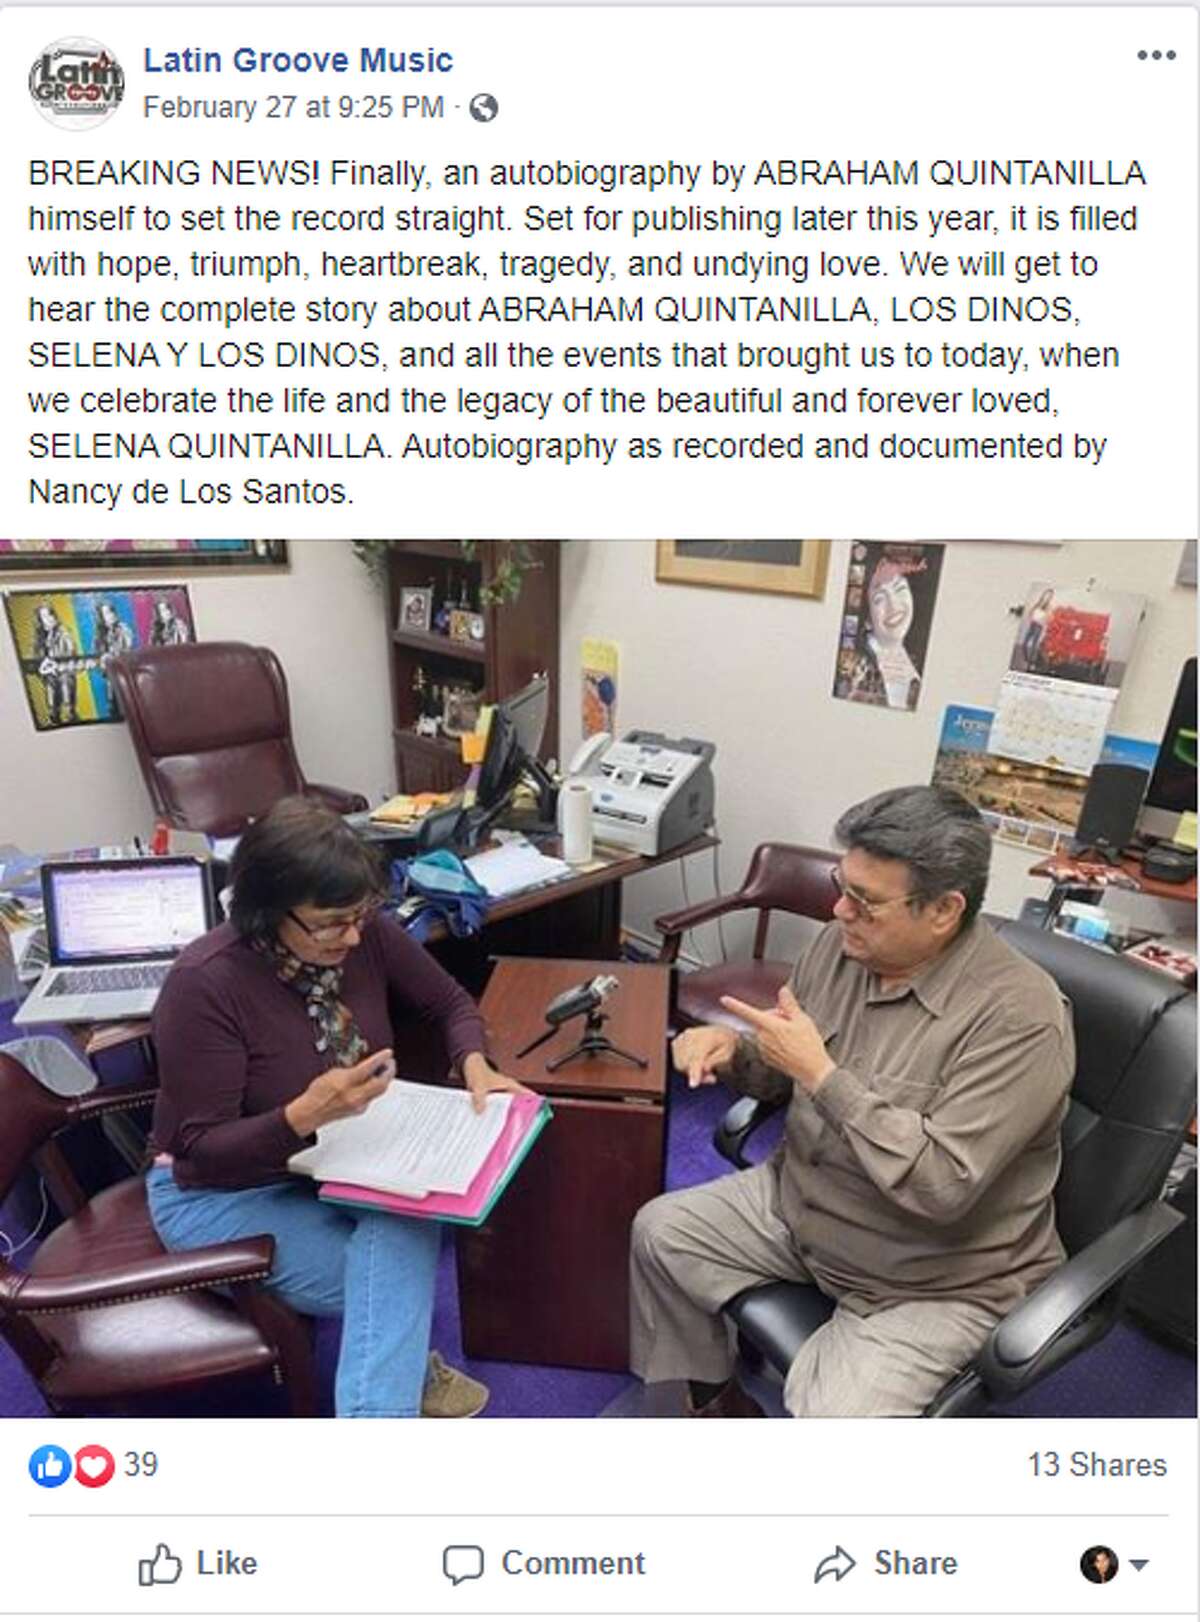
(651, 793)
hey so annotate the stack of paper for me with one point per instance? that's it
(413, 1140)
(403, 809)
(515, 866)
(424, 1151)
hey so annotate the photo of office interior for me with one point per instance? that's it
(598, 978)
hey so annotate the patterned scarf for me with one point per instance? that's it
(335, 1030)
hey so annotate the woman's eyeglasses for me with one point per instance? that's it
(863, 905)
(327, 933)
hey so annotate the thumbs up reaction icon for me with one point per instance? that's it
(163, 1568)
(50, 1466)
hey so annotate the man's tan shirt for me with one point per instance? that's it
(924, 1165)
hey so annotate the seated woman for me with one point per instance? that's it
(273, 1025)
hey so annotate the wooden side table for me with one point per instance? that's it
(546, 1279)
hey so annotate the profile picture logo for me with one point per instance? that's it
(77, 84)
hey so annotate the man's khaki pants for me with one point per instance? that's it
(695, 1250)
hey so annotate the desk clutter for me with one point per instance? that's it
(513, 866)
(23, 946)
(439, 887)
(435, 891)
(163, 883)
(407, 811)
(1076, 907)
(171, 875)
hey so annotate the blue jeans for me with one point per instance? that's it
(373, 1269)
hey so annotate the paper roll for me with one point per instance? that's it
(576, 822)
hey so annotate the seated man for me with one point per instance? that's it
(925, 1065)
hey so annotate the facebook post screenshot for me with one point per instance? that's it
(565, 978)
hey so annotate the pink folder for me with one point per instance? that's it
(527, 1115)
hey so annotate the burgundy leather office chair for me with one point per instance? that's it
(213, 733)
(780, 878)
(106, 1320)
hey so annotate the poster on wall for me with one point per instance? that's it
(1023, 804)
(1068, 661)
(65, 641)
(601, 662)
(887, 615)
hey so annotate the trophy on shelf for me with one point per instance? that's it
(429, 704)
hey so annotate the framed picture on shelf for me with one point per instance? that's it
(466, 626)
(460, 710)
(416, 608)
(796, 568)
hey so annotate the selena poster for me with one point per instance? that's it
(65, 641)
(887, 615)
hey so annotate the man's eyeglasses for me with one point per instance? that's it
(863, 905)
(327, 933)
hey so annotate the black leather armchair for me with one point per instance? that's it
(1132, 1098)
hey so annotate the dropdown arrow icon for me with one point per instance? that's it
(1138, 1564)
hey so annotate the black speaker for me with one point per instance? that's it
(1110, 808)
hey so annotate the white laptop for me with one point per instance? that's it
(113, 930)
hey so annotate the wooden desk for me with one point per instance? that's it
(546, 1279)
(578, 917)
(1131, 866)
(610, 867)
(1165, 892)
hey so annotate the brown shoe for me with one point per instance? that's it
(449, 1393)
(730, 1402)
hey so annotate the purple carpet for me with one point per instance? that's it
(1129, 1374)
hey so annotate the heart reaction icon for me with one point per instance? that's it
(94, 1466)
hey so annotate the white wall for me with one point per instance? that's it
(321, 616)
(753, 673)
(750, 671)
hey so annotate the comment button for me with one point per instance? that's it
(462, 1562)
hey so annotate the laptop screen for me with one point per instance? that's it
(116, 911)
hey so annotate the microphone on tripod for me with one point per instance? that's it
(586, 999)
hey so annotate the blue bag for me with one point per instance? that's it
(446, 891)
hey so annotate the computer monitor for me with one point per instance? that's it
(500, 768)
(1172, 788)
(528, 711)
(514, 738)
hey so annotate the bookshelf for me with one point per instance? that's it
(519, 640)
